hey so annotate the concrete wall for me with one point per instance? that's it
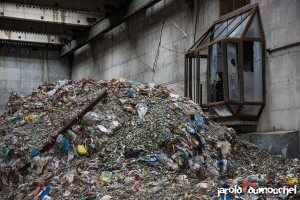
(115, 55)
(130, 51)
(285, 143)
(22, 69)
(281, 21)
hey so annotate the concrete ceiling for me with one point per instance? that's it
(100, 6)
(62, 18)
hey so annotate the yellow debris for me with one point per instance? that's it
(81, 149)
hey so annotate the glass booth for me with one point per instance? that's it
(225, 68)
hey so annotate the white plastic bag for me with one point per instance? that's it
(142, 110)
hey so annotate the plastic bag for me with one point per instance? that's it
(93, 116)
(35, 152)
(103, 129)
(23, 123)
(64, 143)
(151, 85)
(51, 93)
(142, 110)
(92, 130)
(199, 121)
(130, 94)
(12, 118)
(81, 149)
(6, 154)
(174, 97)
(164, 159)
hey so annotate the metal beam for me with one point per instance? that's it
(47, 14)
(116, 18)
(31, 37)
(63, 130)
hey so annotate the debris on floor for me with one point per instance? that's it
(141, 141)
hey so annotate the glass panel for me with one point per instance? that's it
(254, 29)
(250, 110)
(253, 86)
(235, 22)
(222, 111)
(215, 73)
(219, 28)
(238, 31)
(203, 74)
(232, 65)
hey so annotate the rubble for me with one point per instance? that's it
(142, 141)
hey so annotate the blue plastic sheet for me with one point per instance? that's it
(45, 192)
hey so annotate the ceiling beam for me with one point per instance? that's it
(115, 18)
(47, 14)
(8, 35)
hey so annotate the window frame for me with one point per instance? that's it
(203, 44)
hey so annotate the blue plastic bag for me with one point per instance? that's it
(64, 144)
(35, 152)
(199, 121)
(130, 94)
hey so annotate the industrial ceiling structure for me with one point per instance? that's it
(67, 24)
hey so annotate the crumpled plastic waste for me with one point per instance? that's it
(81, 149)
(103, 129)
(164, 159)
(142, 110)
(199, 121)
(150, 159)
(93, 116)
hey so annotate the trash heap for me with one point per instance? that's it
(142, 141)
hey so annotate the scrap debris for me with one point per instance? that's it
(142, 141)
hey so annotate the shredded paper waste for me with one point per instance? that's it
(141, 141)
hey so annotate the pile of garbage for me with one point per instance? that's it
(137, 141)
